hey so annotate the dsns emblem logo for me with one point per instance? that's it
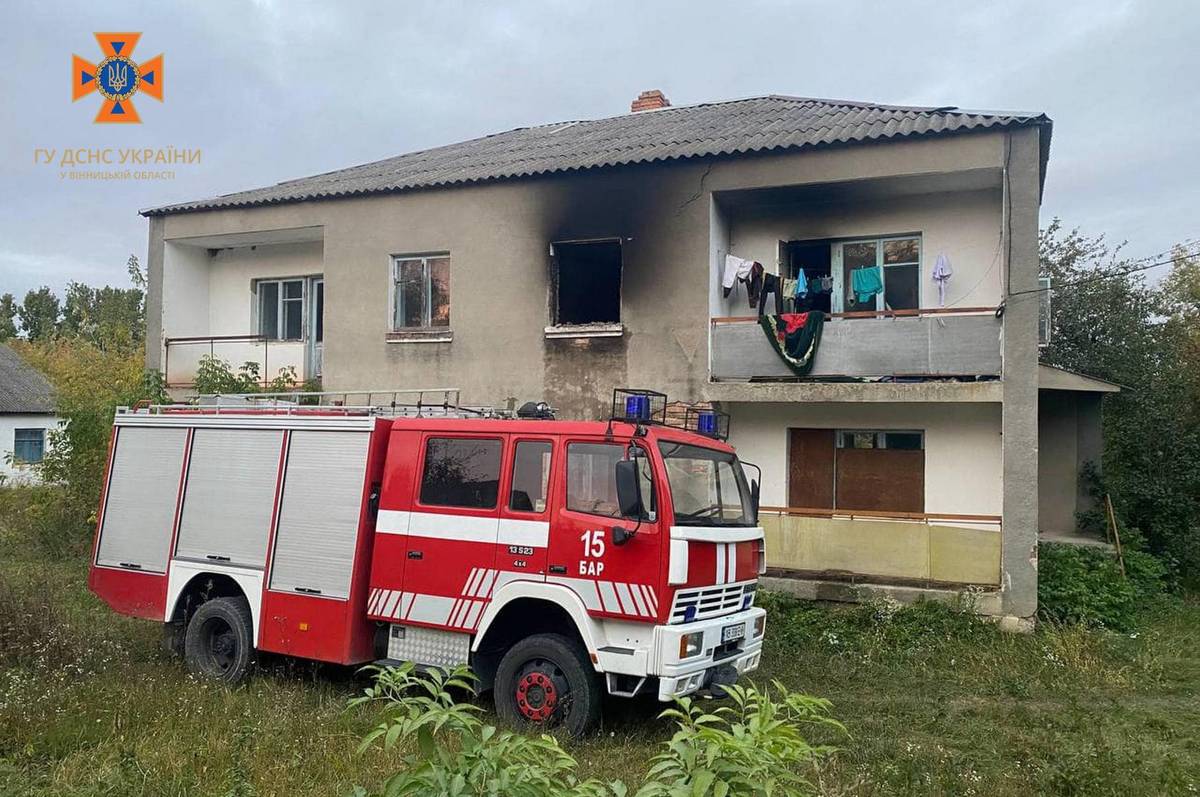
(117, 78)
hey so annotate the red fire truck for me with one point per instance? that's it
(558, 559)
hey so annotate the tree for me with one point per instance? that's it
(39, 314)
(1114, 325)
(8, 317)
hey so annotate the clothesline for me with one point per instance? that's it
(874, 314)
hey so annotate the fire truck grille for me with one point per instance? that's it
(701, 604)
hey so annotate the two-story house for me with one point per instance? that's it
(559, 261)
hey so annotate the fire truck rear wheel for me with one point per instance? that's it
(547, 681)
(220, 640)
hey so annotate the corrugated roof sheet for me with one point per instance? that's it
(759, 124)
(22, 387)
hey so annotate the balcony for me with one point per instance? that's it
(933, 342)
(900, 548)
(182, 356)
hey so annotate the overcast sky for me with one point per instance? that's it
(276, 90)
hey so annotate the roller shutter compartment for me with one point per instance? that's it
(230, 496)
(139, 508)
(319, 513)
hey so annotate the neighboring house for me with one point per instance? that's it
(26, 417)
(559, 261)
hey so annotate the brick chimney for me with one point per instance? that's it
(648, 101)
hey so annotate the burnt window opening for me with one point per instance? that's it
(587, 282)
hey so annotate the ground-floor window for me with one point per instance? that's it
(856, 469)
(29, 446)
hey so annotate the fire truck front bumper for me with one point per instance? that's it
(709, 654)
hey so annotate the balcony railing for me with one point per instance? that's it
(933, 342)
(183, 355)
(932, 550)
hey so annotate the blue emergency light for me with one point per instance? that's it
(706, 423)
(637, 407)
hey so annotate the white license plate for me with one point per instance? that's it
(731, 633)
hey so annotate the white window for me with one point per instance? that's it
(281, 309)
(420, 292)
(898, 264)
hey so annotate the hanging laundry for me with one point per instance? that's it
(771, 283)
(795, 337)
(735, 269)
(800, 287)
(941, 275)
(789, 287)
(826, 284)
(816, 285)
(865, 283)
(754, 283)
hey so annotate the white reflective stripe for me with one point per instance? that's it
(388, 605)
(731, 558)
(464, 528)
(586, 590)
(434, 609)
(392, 521)
(722, 574)
(532, 533)
(371, 596)
(677, 562)
(407, 603)
(651, 599)
(472, 580)
(474, 615)
(458, 609)
(491, 587)
(638, 600)
(716, 533)
(608, 597)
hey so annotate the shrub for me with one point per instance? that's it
(456, 753)
(1083, 584)
(753, 746)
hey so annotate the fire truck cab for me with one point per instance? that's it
(559, 559)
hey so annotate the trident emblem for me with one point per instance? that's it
(118, 77)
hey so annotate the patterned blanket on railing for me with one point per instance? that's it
(795, 337)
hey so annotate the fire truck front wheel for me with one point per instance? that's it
(547, 681)
(220, 640)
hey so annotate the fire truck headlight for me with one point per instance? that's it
(760, 625)
(691, 644)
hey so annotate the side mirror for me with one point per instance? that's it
(629, 490)
(620, 535)
(754, 492)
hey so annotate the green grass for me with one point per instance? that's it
(934, 702)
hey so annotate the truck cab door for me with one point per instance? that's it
(617, 580)
(525, 511)
(450, 570)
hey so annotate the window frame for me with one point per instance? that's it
(418, 498)
(838, 268)
(280, 300)
(651, 514)
(515, 444)
(41, 440)
(427, 326)
(839, 440)
(591, 329)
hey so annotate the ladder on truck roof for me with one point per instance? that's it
(406, 403)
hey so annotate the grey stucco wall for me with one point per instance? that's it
(498, 237)
(1070, 436)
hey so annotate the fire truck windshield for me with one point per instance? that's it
(708, 487)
